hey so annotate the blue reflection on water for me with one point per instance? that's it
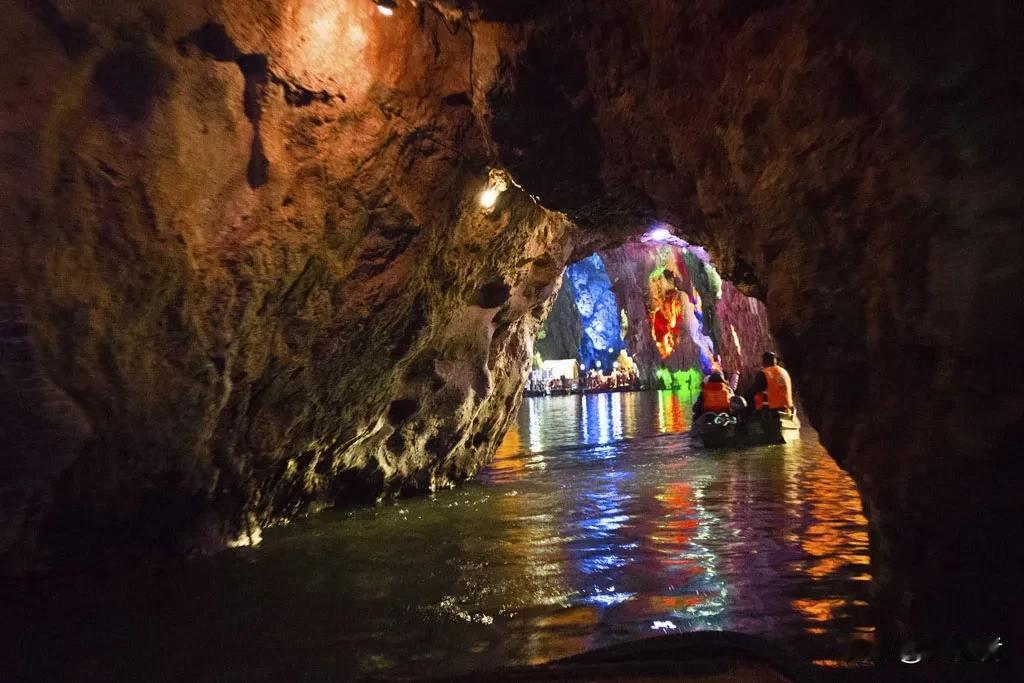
(652, 534)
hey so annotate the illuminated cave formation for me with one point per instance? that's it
(598, 309)
(675, 314)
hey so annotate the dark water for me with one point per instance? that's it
(598, 522)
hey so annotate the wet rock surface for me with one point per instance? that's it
(244, 273)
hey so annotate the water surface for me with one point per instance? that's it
(598, 522)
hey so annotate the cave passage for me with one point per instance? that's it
(265, 260)
(598, 522)
(601, 520)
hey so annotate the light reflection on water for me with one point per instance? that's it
(598, 522)
(652, 530)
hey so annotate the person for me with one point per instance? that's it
(714, 396)
(773, 389)
(718, 366)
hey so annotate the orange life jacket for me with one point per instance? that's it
(716, 397)
(779, 395)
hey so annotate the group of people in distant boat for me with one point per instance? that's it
(595, 380)
(772, 390)
(619, 379)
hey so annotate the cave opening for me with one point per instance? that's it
(651, 313)
(631, 336)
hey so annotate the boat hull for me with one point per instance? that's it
(760, 429)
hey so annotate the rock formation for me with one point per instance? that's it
(244, 272)
(250, 276)
(598, 310)
(562, 332)
(715, 317)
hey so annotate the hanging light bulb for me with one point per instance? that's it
(386, 7)
(488, 197)
(496, 184)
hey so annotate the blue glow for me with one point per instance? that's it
(599, 312)
(601, 564)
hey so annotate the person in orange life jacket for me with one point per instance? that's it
(714, 396)
(773, 389)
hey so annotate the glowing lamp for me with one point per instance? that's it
(659, 234)
(598, 363)
(488, 197)
(496, 184)
(386, 7)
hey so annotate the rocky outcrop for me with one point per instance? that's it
(245, 273)
(250, 273)
(560, 337)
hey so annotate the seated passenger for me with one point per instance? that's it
(773, 389)
(714, 396)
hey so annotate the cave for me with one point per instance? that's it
(265, 260)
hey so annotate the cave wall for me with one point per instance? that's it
(743, 334)
(598, 310)
(245, 273)
(856, 166)
(562, 332)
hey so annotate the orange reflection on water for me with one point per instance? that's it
(510, 445)
(665, 604)
(820, 609)
(508, 464)
(569, 631)
(833, 544)
(671, 412)
(678, 498)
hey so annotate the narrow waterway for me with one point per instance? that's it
(598, 522)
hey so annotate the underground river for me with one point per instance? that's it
(598, 522)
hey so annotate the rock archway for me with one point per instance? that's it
(246, 275)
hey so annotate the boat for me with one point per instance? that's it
(696, 656)
(765, 427)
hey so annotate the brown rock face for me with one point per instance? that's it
(244, 271)
(249, 271)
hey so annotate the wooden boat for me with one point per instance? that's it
(717, 430)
